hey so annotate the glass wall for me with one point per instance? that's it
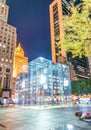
(44, 83)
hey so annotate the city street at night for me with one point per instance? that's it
(26, 118)
(45, 65)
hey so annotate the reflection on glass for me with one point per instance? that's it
(44, 83)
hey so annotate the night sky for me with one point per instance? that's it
(31, 18)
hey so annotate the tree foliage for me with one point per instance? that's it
(77, 29)
(81, 86)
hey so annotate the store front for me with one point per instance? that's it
(43, 83)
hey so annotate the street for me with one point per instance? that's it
(18, 118)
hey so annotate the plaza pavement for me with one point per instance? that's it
(27, 118)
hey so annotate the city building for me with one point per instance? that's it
(78, 67)
(56, 29)
(19, 61)
(89, 64)
(44, 83)
(7, 45)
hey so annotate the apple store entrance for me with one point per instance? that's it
(43, 82)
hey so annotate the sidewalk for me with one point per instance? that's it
(45, 106)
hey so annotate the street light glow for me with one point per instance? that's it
(42, 79)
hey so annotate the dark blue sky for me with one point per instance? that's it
(31, 18)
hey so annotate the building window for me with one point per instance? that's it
(7, 70)
(1, 27)
(2, 59)
(0, 68)
(6, 60)
(5, 29)
(3, 50)
(10, 61)
(4, 46)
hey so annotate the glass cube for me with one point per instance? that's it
(43, 82)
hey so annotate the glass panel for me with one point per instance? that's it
(44, 83)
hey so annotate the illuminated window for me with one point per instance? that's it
(4, 46)
(2, 59)
(6, 60)
(10, 61)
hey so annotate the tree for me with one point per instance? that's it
(81, 86)
(77, 29)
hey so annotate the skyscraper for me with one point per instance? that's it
(19, 61)
(7, 45)
(78, 67)
(56, 26)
